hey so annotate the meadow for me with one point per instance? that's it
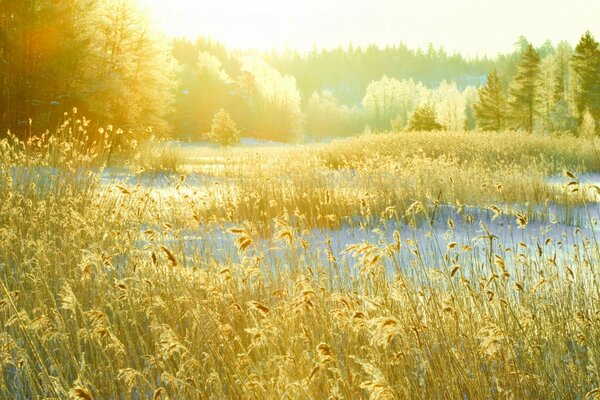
(450, 265)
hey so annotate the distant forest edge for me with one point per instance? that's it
(102, 57)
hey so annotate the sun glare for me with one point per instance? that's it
(467, 26)
(257, 24)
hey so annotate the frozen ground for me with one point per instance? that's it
(549, 228)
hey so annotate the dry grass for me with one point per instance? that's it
(353, 181)
(99, 298)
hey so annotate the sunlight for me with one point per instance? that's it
(259, 24)
(308, 199)
(467, 26)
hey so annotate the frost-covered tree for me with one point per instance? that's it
(276, 102)
(212, 89)
(450, 105)
(44, 54)
(381, 102)
(326, 117)
(130, 78)
(388, 100)
(98, 55)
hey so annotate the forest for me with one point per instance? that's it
(103, 58)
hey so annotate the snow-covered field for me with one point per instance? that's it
(461, 233)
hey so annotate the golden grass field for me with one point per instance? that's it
(390, 266)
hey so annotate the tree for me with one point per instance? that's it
(130, 76)
(276, 102)
(524, 90)
(224, 131)
(211, 90)
(97, 55)
(586, 63)
(205, 85)
(380, 102)
(471, 95)
(561, 116)
(388, 99)
(547, 91)
(491, 108)
(424, 119)
(450, 105)
(326, 117)
(43, 55)
(588, 125)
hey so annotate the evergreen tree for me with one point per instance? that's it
(561, 118)
(224, 131)
(586, 63)
(547, 92)
(471, 95)
(491, 108)
(559, 80)
(424, 119)
(524, 90)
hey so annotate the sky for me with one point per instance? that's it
(472, 27)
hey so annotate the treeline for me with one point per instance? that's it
(327, 92)
(345, 91)
(103, 57)
(558, 92)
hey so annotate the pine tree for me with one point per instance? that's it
(424, 119)
(224, 131)
(471, 95)
(586, 63)
(559, 80)
(524, 90)
(561, 118)
(491, 108)
(547, 103)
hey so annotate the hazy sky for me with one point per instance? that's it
(469, 26)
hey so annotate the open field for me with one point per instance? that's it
(409, 265)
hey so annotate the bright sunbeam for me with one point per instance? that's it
(469, 26)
